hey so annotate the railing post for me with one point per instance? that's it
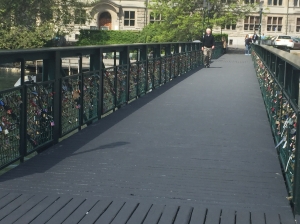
(168, 55)
(101, 74)
(81, 91)
(95, 64)
(144, 59)
(56, 76)
(23, 120)
(124, 60)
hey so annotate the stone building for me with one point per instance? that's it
(279, 17)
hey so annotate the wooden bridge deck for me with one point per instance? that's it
(197, 150)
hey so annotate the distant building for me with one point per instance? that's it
(279, 17)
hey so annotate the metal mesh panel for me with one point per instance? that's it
(156, 72)
(182, 63)
(163, 69)
(10, 102)
(150, 73)
(121, 85)
(142, 78)
(109, 90)
(133, 80)
(168, 68)
(91, 88)
(39, 114)
(70, 104)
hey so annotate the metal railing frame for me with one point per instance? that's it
(45, 109)
(279, 75)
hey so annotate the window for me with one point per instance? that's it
(229, 26)
(251, 1)
(80, 16)
(274, 24)
(298, 25)
(296, 3)
(129, 18)
(155, 18)
(251, 23)
(274, 2)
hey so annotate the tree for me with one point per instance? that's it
(183, 20)
(31, 23)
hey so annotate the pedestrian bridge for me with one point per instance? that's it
(168, 142)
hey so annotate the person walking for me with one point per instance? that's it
(208, 46)
(254, 37)
(248, 41)
(224, 44)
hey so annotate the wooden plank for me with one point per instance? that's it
(47, 214)
(126, 212)
(154, 214)
(37, 210)
(110, 213)
(3, 194)
(169, 214)
(228, 216)
(25, 207)
(183, 215)
(258, 217)
(7, 199)
(287, 218)
(96, 212)
(66, 211)
(14, 205)
(80, 212)
(198, 216)
(242, 217)
(272, 218)
(140, 214)
(213, 216)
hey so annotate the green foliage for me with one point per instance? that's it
(185, 20)
(31, 23)
(218, 37)
(21, 37)
(106, 37)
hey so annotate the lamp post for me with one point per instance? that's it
(260, 17)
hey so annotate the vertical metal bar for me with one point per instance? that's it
(56, 76)
(115, 79)
(95, 63)
(81, 84)
(101, 73)
(23, 120)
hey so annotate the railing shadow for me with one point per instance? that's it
(76, 144)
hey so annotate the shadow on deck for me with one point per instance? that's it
(197, 150)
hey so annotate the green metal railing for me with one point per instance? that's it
(35, 116)
(278, 74)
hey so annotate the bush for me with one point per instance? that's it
(107, 37)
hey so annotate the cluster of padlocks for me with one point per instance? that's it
(109, 93)
(70, 103)
(10, 105)
(40, 120)
(121, 85)
(91, 87)
(133, 82)
(282, 116)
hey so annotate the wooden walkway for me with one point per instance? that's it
(197, 150)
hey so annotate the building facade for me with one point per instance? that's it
(279, 17)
